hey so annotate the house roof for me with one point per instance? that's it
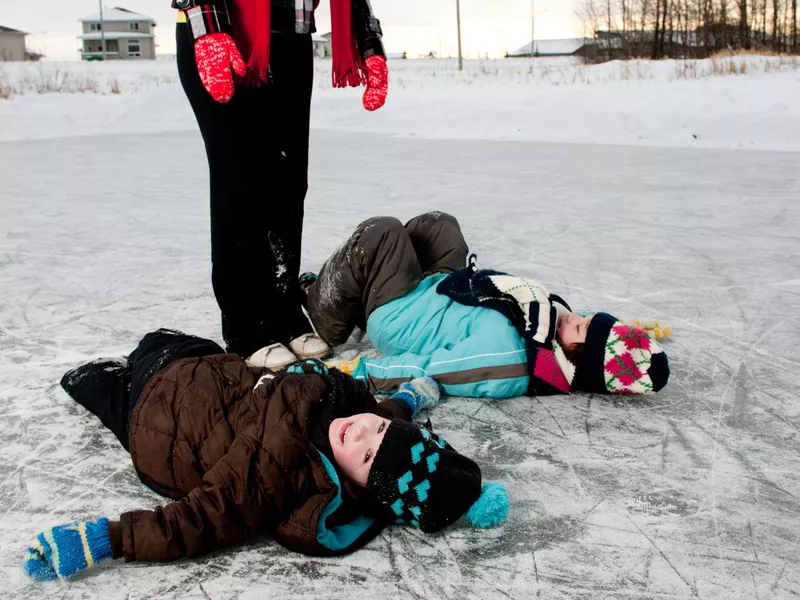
(315, 37)
(10, 30)
(117, 14)
(115, 35)
(550, 47)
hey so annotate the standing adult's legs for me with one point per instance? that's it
(286, 175)
(258, 179)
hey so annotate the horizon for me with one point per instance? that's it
(411, 26)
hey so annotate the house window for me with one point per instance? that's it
(134, 49)
(133, 26)
(95, 26)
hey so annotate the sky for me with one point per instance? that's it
(413, 26)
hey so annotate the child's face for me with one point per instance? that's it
(572, 329)
(355, 441)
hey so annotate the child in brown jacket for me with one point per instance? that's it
(307, 455)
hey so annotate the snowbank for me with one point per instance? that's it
(739, 102)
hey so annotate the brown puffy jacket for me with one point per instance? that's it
(231, 445)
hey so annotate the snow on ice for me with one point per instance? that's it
(691, 493)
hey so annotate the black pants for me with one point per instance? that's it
(110, 389)
(257, 150)
(383, 260)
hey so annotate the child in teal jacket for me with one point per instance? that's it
(477, 333)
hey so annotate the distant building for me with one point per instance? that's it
(322, 45)
(625, 45)
(128, 36)
(544, 48)
(12, 45)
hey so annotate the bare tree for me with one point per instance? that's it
(744, 25)
(689, 28)
(777, 36)
(657, 31)
(723, 25)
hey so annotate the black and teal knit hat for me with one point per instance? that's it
(425, 483)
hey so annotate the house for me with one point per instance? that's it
(322, 45)
(624, 45)
(127, 35)
(12, 44)
(560, 47)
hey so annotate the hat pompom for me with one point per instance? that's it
(491, 508)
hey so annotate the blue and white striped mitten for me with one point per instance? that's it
(419, 394)
(61, 552)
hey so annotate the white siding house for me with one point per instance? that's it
(12, 44)
(128, 36)
(322, 45)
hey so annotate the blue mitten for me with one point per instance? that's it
(61, 552)
(419, 394)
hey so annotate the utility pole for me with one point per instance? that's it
(102, 31)
(533, 29)
(458, 24)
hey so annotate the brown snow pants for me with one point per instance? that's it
(383, 260)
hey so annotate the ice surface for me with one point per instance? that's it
(691, 493)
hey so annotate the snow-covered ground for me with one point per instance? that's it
(668, 103)
(691, 493)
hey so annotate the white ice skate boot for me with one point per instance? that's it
(310, 345)
(274, 357)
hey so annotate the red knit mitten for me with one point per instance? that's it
(215, 54)
(377, 83)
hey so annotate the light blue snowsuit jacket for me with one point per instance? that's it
(470, 351)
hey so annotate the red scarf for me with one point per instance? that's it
(251, 32)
